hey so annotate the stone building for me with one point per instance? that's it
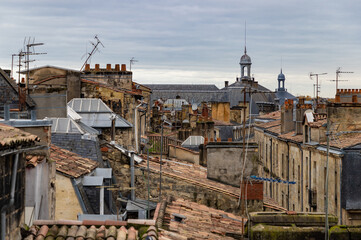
(13, 147)
(13, 95)
(294, 148)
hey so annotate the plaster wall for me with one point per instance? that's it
(67, 204)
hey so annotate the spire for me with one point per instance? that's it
(245, 50)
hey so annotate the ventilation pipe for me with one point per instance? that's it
(12, 197)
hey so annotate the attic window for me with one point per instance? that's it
(179, 218)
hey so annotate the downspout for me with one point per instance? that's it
(136, 126)
(301, 176)
(288, 176)
(340, 172)
(309, 179)
(12, 195)
(271, 168)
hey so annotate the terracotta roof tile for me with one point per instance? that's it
(291, 136)
(196, 221)
(77, 230)
(345, 140)
(33, 159)
(71, 164)
(11, 137)
(272, 115)
(268, 125)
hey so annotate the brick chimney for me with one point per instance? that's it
(287, 124)
(124, 68)
(97, 68)
(117, 67)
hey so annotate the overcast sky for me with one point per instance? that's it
(194, 41)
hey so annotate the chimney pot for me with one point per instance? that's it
(354, 98)
(109, 67)
(23, 80)
(124, 68)
(225, 83)
(87, 67)
(117, 67)
(97, 68)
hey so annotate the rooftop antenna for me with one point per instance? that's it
(338, 71)
(317, 85)
(29, 49)
(132, 61)
(95, 49)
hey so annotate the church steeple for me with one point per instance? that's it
(245, 63)
(281, 82)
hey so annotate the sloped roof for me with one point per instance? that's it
(89, 105)
(68, 125)
(271, 115)
(182, 87)
(50, 66)
(201, 222)
(95, 113)
(86, 229)
(71, 164)
(12, 137)
(29, 100)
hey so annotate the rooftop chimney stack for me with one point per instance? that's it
(124, 68)
(287, 124)
(97, 68)
(87, 67)
(225, 83)
(117, 67)
(109, 67)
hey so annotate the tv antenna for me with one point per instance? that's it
(132, 61)
(338, 74)
(95, 49)
(317, 85)
(28, 49)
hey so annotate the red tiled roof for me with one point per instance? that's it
(291, 136)
(272, 115)
(199, 222)
(344, 140)
(70, 163)
(81, 230)
(33, 159)
(269, 124)
(11, 137)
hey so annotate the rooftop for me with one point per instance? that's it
(195, 221)
(71, 164)
(273, 115)
(87, 229)
(12, 137)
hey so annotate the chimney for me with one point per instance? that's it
(337, 98)
(109, 67)
(97, 68)
(117, 67)
(354, 98)
(225, 83)
(124, 68)
(87, 67)
(287, 124)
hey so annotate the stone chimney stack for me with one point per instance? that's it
(287, 124)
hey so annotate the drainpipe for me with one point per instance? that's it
(12, 195)
(132, 187)
(301, 175)
(6, 112)
(136, 126)
(309, 179)
(288, 175)
(271, 168)
(340, 172)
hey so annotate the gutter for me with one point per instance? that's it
(12, 196)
